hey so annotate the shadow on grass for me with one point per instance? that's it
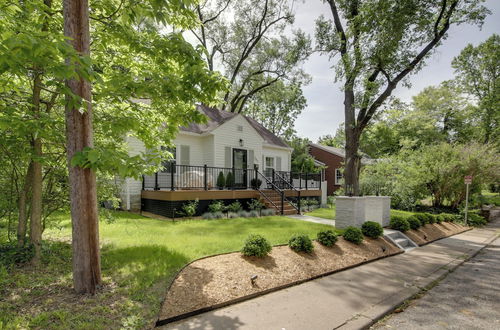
(141, 268)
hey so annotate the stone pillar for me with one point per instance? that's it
(323, 193)
(350, 211)
(378, 208)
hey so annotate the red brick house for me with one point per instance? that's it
(333, 159)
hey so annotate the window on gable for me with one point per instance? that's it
(240, 128)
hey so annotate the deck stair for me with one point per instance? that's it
(274, 202)
(399, 239)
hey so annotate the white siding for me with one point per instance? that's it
(284, 154)
(195, 143)
(228, 135)
(131, 190)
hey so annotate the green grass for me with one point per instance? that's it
(403, 214)
(325, 213)
(139, 257)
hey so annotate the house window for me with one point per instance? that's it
(269, 166)
(240, 128)
(166, 163)
(339, 177)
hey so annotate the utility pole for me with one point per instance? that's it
(79, 134)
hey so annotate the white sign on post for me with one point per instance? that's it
(467, 181)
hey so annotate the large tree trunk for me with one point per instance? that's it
(36, 179)
(22, 222)
(352, 134)
(86, 258)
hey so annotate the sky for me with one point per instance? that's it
(325, 109)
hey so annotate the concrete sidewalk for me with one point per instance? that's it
(350, 299)
(310, 218)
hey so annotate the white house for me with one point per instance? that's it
(227, 141)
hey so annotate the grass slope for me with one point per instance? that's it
(139, 258)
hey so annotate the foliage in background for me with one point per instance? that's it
(478, 71)
(436, 170)
(302, 161)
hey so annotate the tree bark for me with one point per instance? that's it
(83, 194)
(22, 204)
(352, 164)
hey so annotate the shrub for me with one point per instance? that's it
(216, 206)
(353, 234)
(268, 212)
(327, 237)
(448, 217)
(234, 207)
(476, 220)
(11, 254)
(399, 223)
(439, 218)
(414, 222)
(243, 214)
(221, 182)
(208, 216)
(229, 180)
(189, 209)
(255, 204)
(372, 229)
(301, 243)
(422, 218)
(330, 201)
(253, 214)
(256, 245)
(232, 215)
(255, 183)
(218, 215)
(430, 218)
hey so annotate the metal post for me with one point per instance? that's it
(300, 180)
(273, 180)
(298, 204)
(156, 181)
(282, 202)
(172, 169)
(143, 184)
(306, 182)
(466, 201)
(205, 177)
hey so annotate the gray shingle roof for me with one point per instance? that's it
(218, 117)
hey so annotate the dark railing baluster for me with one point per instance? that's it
(156, 181)
(172, 170)
(205, 184)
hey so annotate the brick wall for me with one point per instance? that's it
(332, 162)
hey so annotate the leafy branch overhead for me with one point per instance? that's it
(378, 45)
(246, 40)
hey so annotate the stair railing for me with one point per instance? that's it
(290, 186)
(274, 187)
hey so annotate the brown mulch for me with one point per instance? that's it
(224, 278)
(435, 231)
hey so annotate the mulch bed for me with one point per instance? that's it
(435, 231)
(226, 278)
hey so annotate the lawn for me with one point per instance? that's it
(140, 256)
(324, 212)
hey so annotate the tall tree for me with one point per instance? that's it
(79, 135)
(278, 108)
(380, 43)
(478, 70)
(245, 40)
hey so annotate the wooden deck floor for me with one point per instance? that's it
(185, 195)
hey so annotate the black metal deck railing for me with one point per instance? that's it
(190, 177)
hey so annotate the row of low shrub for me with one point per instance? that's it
(239, 214)
(257, 245)
(421, 219)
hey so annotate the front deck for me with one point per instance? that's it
(165, 193)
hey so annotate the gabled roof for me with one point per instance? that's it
(341, 152)
(336, 151)
(218, 117)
